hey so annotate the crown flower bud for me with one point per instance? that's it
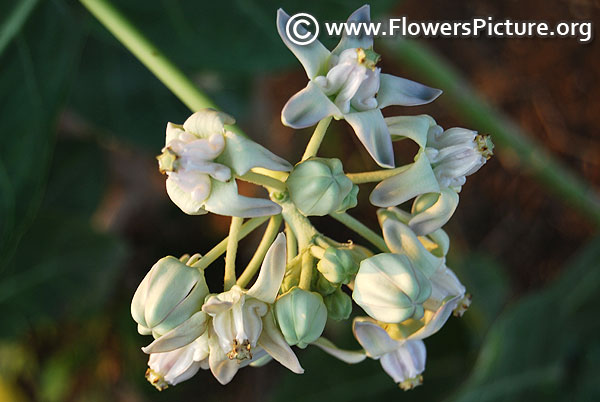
(339, 305)
(170, 293)
(201, 158)
(337, 265)
(301, 316)
(390, 289)
(318, 186)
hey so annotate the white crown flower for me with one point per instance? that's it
(440, 168)
(346, 84)
(201, 159)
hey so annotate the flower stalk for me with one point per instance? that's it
(317, 138)
(232, 245)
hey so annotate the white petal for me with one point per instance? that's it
(272, 341)
(261, 361)
(183, 199)
(314, 57)
(173, 367)
(242, 154)
(207, 122)
(271, 272)
(371, 130)
(400, 91)
(417, 179)
(225, 200)
(407, 362)
(221, 367)
(365, 96)
(402, 240)
(435, 320)
(308, 107)
(413, 127)
(174, 131)
(180, 336)
(435, 216)
(373, 338)
(362, 15)
(348, 356)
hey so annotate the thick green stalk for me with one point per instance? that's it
(362, 230)
(220, 248)
(317, 138)
(256, 261)
(308, 264)
(510, 138)
(232, 245)
(292, 243)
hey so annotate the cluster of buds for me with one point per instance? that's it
(303, 278)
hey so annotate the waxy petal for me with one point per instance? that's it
(225, 200)
(183, 199)
(362, 15)
(373, 133)
(400, 91)
(406, 362)
(242, 154)
(434, 216)
(347, 356)
(417, 179)
(273, 343)
(308, 107)
(314, 57)
(413, 127)
(221, 367)
(373, 338)
(271, 272)
(179, 336)
(402, 240)
(207, 122)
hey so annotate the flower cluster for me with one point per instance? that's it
(303, 278)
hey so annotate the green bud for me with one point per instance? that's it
(301, 316)
(323, 286)
(338, 265)
(318, 186)
(170, 293)
(350, 201)
(339, 305)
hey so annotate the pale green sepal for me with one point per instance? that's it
(242, 154)
(362, 15)
(402, 92)
(373, 338)
(207, 122)
(307, 107)
(225, 200)
(413, 127)
(432, 211)
(402, 240)
(178, 337)
(417, 179)
(373, 133)
(275, 345)
(314, 57)
(271, 272)
(347, 356)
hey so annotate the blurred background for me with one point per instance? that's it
(84, 214)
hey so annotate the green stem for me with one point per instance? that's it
(511, 139)
(362, 230)
(266, 241)
(265, 181)
(299, 224)
(292, 243)
(232, 246)
(11, 26)
(306, 272)
(317, 138)
(220, 248)
(375, 176)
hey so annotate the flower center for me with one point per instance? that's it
(168, 161)
(367, 58)
(485, 146)
(156, 379)
(240, 351)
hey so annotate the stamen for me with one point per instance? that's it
(240, 351)
(485, 146)
(367, 58)
(167, 161)
(411, 383)
(463, 305)
(156, 379)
